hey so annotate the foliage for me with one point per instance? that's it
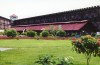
(31, 33)
(61, 33)
(11, 33)
(53, 32)
(87, 45)
(44, 33)
(73, 34)
(24, 33)
(46, 60)
(49, 60)
(5, 32)
(1, 33)
(93, 34)
(65, 61)
(97, 36)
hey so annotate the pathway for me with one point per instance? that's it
(3, 49)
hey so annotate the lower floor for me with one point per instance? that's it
(72, 28)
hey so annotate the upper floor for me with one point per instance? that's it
(90, 13)
(4, 23)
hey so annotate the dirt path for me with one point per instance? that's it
(4, 49)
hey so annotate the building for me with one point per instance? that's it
(70, 27)
(67, 20)
(4, 23)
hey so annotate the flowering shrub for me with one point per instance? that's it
(87, 45)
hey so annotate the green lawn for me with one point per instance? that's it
(26, 51)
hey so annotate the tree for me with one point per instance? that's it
(88, 46)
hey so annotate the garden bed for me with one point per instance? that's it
(45, 38)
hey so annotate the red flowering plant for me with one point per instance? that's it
(88, 46)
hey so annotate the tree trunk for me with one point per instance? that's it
(88, 61)
(88, 58)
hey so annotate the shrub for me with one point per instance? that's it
(61, 33)
(65, 61)
(31, 33)
(50, 60)
(93, 34)
(11, 33)
(53, 32)
(97, 36)
(87, 45)
(24, 33)
(44, 33)
(73, 34)
(45, 60)
(5, 32)
(1, 33)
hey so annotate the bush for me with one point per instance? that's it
(73, 34)
(25, 33)
(61, 33)
(1, 33)
(45, 60)
(11, 33)
(5, 32)
(51, 60)
(93, 34)
(97, 36)
(31, 33)
(53, 32)
(44, 33)
(65, 61)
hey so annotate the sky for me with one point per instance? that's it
(32, 8)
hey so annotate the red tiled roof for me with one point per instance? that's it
(76, 26)
(19, 28)
(64, 26)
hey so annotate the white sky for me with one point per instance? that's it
(30, 8)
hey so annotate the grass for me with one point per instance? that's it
(26, 51)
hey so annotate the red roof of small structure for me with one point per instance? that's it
(68, 26)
